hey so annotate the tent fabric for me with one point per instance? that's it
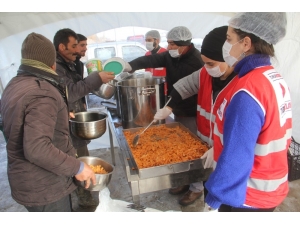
(14, 27)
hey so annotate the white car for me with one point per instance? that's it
(125, 50)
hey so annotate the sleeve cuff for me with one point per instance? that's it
(212, 202)
(176, 98)
(80, 168)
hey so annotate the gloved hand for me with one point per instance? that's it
(162, 113)
(127, 68)
(209, 156)
(207, 208)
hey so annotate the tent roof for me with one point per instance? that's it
(15, 26)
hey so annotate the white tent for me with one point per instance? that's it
(14, 27)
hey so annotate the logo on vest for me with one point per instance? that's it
(221, 109)
(282, 93)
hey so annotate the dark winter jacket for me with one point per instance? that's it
(79, 67)
(77, 89)
(176, 68)
(41, 158)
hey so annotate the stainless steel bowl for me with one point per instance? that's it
(106, 90)
(88, 125)
(102, 180)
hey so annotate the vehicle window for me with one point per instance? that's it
(132, 52)
(105, 53)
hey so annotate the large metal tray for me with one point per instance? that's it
(167, 169)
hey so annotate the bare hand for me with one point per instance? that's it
(72, 115)
(86, 175)
(106, 76)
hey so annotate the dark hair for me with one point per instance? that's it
(260, 46)
(81, 37)
(62, 37)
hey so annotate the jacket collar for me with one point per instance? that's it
(190, 51)
(61, 60)
(251, 62)
(26, 70)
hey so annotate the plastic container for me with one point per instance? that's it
(294, 161)
(93, 65)
(115, 65)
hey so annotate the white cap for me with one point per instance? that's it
(269, 26)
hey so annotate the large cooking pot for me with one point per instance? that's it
(139, 100)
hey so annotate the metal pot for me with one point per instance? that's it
(88, 125)
(127, 76)
(140, 99)
(106, 90)
(102, 180)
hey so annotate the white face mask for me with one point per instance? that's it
(174, 53)
(149, 46)
(215, 71)
(230, 60)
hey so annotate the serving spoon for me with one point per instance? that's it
(137, 137)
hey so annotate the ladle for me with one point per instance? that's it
(137, 137)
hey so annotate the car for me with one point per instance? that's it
(127, 50)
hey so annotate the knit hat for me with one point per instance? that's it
(213, 42)
(39, 48)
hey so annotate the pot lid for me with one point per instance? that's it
(115, 64)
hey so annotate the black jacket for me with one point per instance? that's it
(176, 68)
(77, 89)
(79, 67)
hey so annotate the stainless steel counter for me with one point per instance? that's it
(140, 185)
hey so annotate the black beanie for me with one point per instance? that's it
(213, 42)
(39, 48)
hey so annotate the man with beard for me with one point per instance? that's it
(65, 42)
(79, 66)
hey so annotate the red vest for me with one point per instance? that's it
(205, 106)
(160, 71)
(267, 185)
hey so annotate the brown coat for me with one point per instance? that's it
(41, 158)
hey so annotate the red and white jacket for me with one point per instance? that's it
(205, 106)
(160, 71)
(269, 174)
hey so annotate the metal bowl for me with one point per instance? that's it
(88, 125)
(102, 180)
(106, 90)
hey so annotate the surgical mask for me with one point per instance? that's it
(174, 53)
(215, 71)
(150, 46)
(229, 59)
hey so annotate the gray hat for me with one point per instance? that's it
(153, 34)
(180, 35)
(39, 48)
(269, 26)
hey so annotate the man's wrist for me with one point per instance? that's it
(80, 168)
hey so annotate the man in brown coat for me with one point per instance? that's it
(41, 159)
